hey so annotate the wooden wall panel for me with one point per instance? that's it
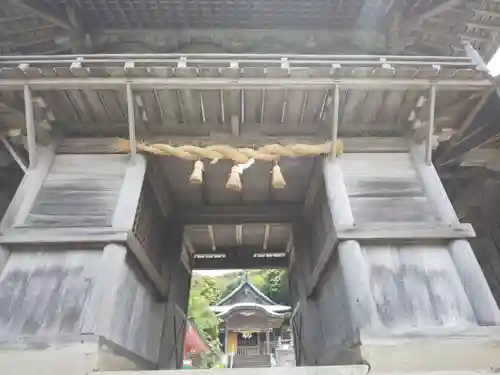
(137, 320)
(46, 293)
(417, 286)
(385, 187)
(79, 191)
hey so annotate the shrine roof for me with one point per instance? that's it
(247, 296)
(246, 292)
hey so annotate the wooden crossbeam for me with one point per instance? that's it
(240, 257)
(157, 83)
(243, 214)
(359, 144)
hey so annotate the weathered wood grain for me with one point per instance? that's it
(417, 286)
(27, 191)
(128, 198)
(385, 187)
(403, 231)
(41, 236)
(79, 191)
(433, 187)
(122, 307)
(46, 293)
(475, 285)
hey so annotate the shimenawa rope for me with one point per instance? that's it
(270, 153)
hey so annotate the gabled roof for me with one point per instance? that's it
(246, 292)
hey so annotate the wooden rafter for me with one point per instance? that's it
(437, 10)
(50, 14)
(68, 19)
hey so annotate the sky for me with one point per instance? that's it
(213, 273)
(494, 64)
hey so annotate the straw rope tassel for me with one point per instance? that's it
(278, 181)
(197, 175)
(234, 180)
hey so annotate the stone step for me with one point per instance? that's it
(312, 370)
(323, 370)
(251, 361)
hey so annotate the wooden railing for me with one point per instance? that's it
(249, 351)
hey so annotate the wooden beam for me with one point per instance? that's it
(27, 191)
(240, 257)
(46, 12)
(437, 10)
(223, 263)
(212, 237)
(269, 213)
(217, 83)
(131, 121)
(404, 231)
(17, 158)
(130, 193)
(243, 249)
(430, 130)
(62, 235)
(90, 145)
(30, 126)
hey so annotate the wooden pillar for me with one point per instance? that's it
(77, 273)
(358, 290)
(268, 343)
(392, 280)
(476, 287)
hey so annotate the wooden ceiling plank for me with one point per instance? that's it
(167, 99)
(439, 9)
(155, 120)
(190, 98)
(275, 98)
(375, 98)
(355, 98)
(96, 103)
(394, 99)
(211, 98)
(232, 99)
(109, 98)
(253, 100)
(411, 97)
(295, 99)
(57, 101)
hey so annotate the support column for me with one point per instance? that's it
(392, 280)
(268, 343)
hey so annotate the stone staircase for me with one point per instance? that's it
(253, 361)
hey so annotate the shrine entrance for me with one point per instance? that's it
(157, 166)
